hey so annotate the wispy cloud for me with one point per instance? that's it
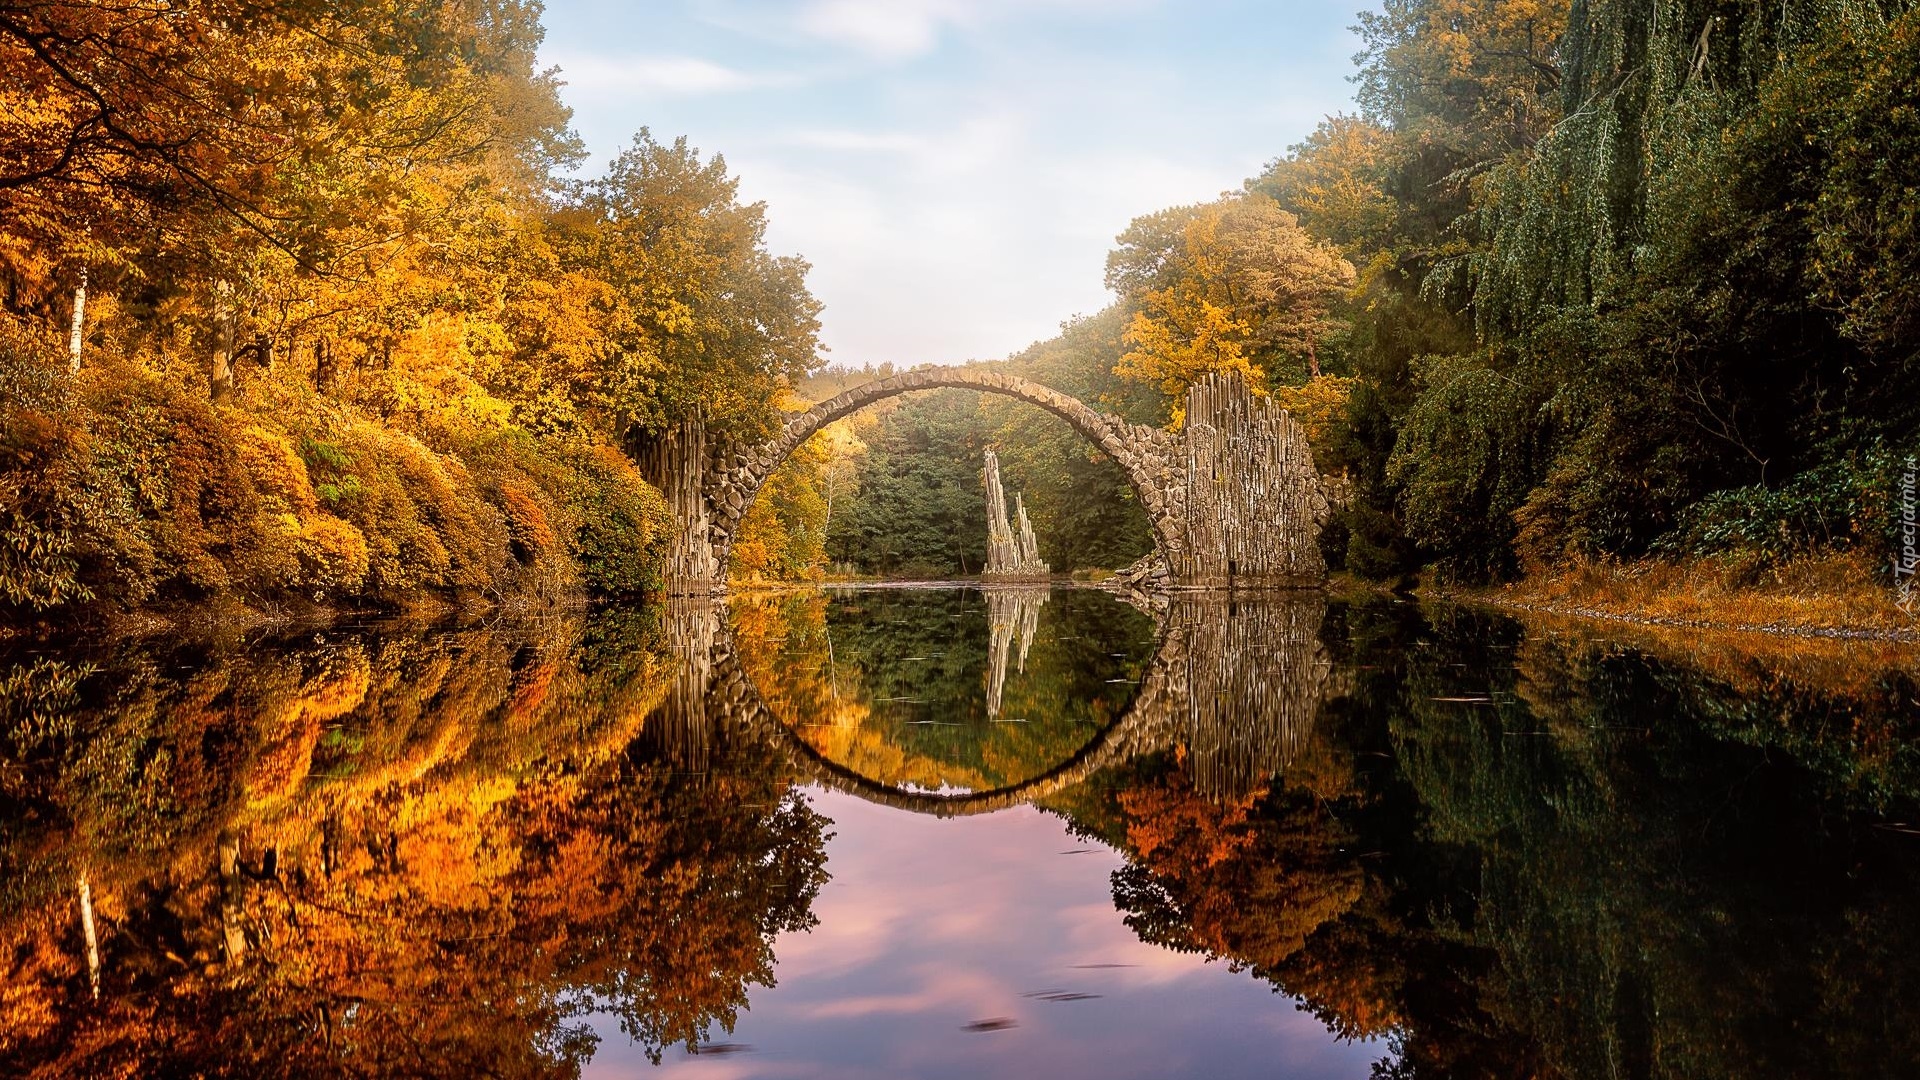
(968, 144)
(885, 29)
(894, 31)
(664, 76)
(840, 139)
(933, 989)
(930, 926)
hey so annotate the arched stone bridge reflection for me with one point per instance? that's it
(1236, 683)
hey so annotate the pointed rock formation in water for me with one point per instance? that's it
(1002, 555)
(1029, 545)
(1009, 555)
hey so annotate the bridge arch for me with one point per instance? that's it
(1234, 501)
(1146, 454)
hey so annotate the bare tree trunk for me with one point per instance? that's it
(79, 323)
(324, 372)
(833, 672)
(220, 380)
(232, 896)
(92, 934)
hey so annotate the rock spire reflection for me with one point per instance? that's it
(1013, 617)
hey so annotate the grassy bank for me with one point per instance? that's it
(1752, 663)
(121, 493)
(1821, 594)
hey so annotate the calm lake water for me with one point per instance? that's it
(953, 832)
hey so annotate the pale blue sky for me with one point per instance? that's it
(956, 170)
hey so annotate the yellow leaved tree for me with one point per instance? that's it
(1234, 285)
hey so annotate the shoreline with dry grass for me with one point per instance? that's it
(1833, 596)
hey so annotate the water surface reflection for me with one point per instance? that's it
(1469, 846)
(905, 722)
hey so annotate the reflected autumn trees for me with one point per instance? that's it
(1523, 854)
(374, 854)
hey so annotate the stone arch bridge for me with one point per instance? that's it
(1234, 499)
(1238, 685)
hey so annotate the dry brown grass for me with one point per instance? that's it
(1833, 595)
(1751, 662)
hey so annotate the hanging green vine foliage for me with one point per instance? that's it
(1697, 277)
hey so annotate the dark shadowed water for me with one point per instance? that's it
(961, 833)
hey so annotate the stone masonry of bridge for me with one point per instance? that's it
(1234, 499)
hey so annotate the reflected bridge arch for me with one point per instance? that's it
(1237, 684)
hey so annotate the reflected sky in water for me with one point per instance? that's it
(930, 926)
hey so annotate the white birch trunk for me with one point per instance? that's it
(92, 935)
(78, 335)
(233, 931)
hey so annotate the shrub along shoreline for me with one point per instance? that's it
(121, 495)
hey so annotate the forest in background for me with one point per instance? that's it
(302, 301)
